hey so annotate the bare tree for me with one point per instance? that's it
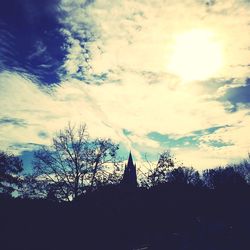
(168, 169)
(74, 163)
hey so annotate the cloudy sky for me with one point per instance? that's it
(151, 75)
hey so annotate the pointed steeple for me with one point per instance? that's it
(130, 159)
(130, 177)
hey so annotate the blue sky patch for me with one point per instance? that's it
(30, 40)
(218, 144)
(127, 132)
(238, 95)
(192, 140)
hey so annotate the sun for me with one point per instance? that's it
(196, 55)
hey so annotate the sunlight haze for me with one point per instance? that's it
(196, 55)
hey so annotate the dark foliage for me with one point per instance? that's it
(180, 210)
(166, 216)
(223, 178)
(10, 168)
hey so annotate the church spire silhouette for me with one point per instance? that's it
(130, 176)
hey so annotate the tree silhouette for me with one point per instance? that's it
(10, 168)
(222, 177)
(243, 168)
(184, 176)
(33, 187)
(164, 165)
(73, 163)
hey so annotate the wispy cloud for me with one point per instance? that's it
(12, 121)
(108, 109)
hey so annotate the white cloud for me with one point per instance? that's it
(48, 110)
(109, 108)
(201, 159)
(132, 42)
(139, 35)
(236, 136)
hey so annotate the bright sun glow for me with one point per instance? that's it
(196, 55)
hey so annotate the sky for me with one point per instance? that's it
(150, 75)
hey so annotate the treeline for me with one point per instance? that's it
(166, 171)
(173, 207)
(75, 164)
